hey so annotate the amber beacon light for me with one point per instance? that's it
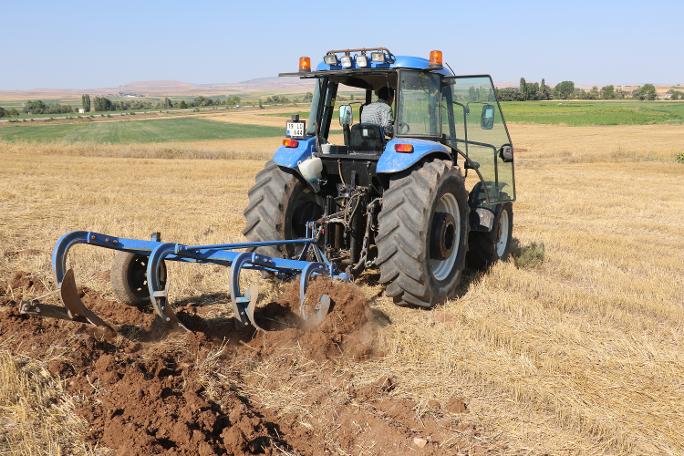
(305, 64)
(436, 58)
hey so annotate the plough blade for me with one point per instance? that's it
(73, 309)
(73, 304)
(251, 307)
(320, 311)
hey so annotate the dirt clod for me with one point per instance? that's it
(346, 330)
(456, 405)
(420, 442)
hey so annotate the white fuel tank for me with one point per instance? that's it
(311, 170)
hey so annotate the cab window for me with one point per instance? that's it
(418, 104)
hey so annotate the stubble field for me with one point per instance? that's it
(579, 352)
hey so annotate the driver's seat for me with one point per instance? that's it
(367, 138)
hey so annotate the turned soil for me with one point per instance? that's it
(148, 389)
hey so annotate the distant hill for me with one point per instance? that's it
(269, 85)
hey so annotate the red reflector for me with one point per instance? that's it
(291, 143)
(405, 148)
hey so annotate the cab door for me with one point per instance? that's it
(481, 133)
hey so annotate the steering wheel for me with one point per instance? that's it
(403, 127)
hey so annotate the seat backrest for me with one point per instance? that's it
(367, 137)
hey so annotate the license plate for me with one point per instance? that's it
(295, 129)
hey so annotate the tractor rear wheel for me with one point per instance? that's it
(279, 206)
(423, 234)
(486, 248)
(129, 279)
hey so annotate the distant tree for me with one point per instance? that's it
(593, 94)
(277, 99)
(203, 101)
(167, 104)
(675, 94)
(579, 94)
(183, 105)
(3, 113)
(524, 95)
(233, 100)
(308, 96)
(533, 91)
(564, 90)
(544, 91)
(102, 104)
(261, 104)
(85, 102)
(645, 92)
(508, 94)
(608, 92)
(35, 107)
(39, 107)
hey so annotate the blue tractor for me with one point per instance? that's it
(393, 199)
(376, 194)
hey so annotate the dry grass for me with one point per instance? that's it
(580, 354)
(36, 417)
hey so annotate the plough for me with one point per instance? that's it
(150, 279)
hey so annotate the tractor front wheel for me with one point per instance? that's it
(423, 234)
(485, 249)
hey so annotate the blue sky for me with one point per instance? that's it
(89, 44)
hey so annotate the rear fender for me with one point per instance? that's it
(288, 157)
(392, 161)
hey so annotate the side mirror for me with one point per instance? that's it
(506, 153)
(487, 119)
(346, 115)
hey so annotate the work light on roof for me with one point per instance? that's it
(378, 57)
(330, 59)
(361, 61)
(346, 61)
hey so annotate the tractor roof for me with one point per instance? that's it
(400, 61)
(332, 65)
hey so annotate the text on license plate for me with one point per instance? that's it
(295, 129)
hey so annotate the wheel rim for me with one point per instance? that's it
(441, 268)
(502, 235)
(137, 276)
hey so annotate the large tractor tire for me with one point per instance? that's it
(279, 206)
(486, 248)
(423, 234)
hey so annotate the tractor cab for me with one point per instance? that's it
(434, 113)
